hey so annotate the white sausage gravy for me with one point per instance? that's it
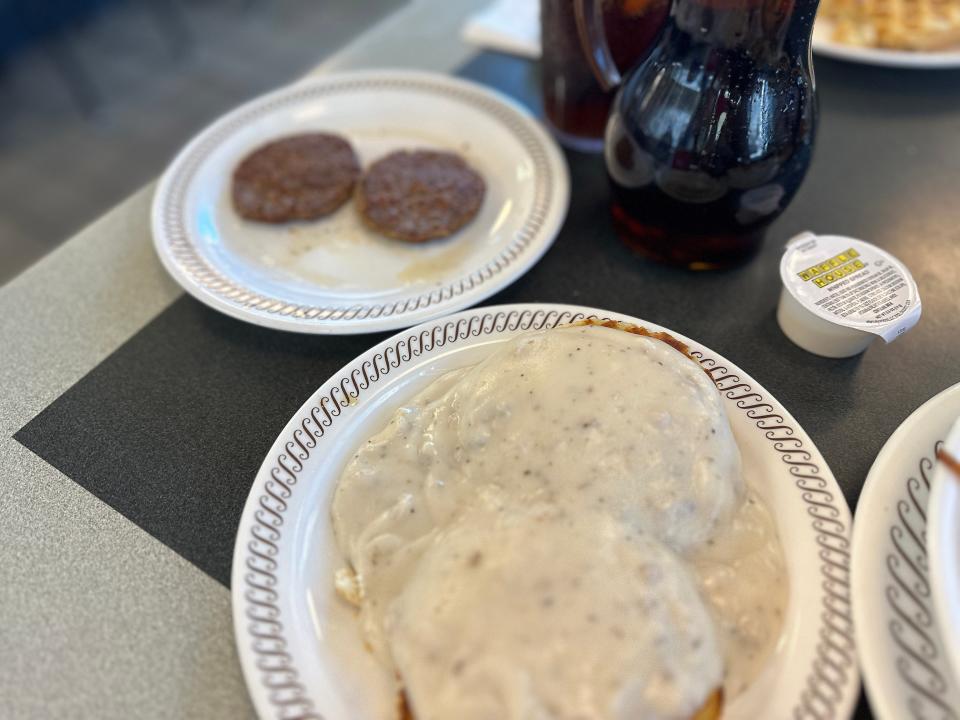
(562, 532)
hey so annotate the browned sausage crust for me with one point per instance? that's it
(301, 177)
(420, 195)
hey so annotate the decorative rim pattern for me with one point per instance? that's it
(194, 266)
(835, 651)
(913, 626)
(827, 678)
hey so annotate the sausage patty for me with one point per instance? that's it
(301, 177)
(420, 195)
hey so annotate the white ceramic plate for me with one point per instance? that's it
(823, 44)
(334, 275)
(904, 668)
(943, 546)
(300, 647)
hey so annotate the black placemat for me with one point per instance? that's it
(165, 430)
(172, 427)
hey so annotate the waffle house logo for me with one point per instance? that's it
(839, 266)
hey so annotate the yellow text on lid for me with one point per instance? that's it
(842, 271)
(826, 266)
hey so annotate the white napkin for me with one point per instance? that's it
(511, 26)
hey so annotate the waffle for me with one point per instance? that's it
(895, 24)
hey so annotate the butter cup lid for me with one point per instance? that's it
(851, 283)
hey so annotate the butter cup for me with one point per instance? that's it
(839, 294)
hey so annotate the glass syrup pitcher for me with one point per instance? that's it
(711, 134)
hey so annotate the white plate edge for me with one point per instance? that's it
(944, 556)
(880, 57)
(880, 698)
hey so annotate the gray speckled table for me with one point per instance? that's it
(103, 619)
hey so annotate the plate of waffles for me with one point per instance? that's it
(904, 652)
(892, 33)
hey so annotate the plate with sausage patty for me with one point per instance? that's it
(360, 202)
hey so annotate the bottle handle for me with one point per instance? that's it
(593, 42)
